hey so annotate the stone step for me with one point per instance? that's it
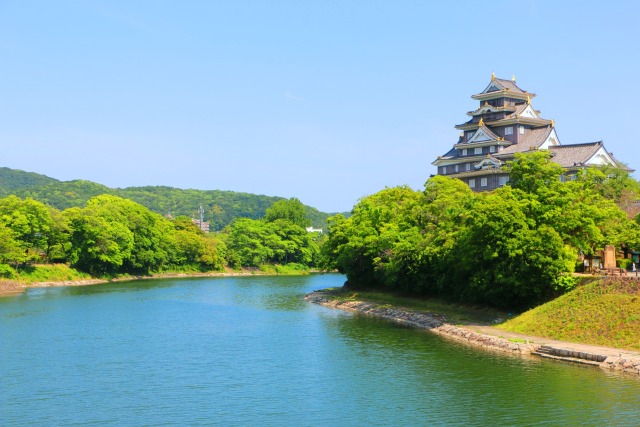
(567, 359)
(545, 349)
(569, 355)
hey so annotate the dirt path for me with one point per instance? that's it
(585, 348)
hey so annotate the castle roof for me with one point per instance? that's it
(533, 139)
(577, 155)
(500, 87)
(488, 132)
(510, 85)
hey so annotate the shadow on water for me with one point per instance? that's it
(499, 388)
(282, 293)
(251, 351)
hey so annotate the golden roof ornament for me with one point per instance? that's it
(481, 122)
(493, 76)
(553, 123)
(513, 78)
(528, 100)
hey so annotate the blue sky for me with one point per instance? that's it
(326, 101)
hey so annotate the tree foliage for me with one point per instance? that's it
(251, 243)
(513, 247)
(292, 210)
(112, 235)
(220, 207)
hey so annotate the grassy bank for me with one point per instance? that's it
(48, 273)
(604, 312)
(456, 314)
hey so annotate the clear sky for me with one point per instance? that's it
(326, 101)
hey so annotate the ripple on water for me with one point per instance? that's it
(225, 351)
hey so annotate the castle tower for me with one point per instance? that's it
(504, 123)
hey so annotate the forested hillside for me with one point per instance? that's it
(13, 179)
(220, 207)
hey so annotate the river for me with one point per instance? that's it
(247, 351)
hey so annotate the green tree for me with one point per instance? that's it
(504, 258)
(534, 171)
(149, 230)
(189, 247)
(364, 246)
(11, 250)
(295, 244)
(610, 182)
(214, 253)
(31, 223)
(99, 245)
(292, 210)
(250, 242)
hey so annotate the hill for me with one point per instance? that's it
(12, 180)
(220, 207)
(601, 312)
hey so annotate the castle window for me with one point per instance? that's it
(502, 180)
(508, 130)
(464, 152)
(521, 129)
(455, 168)
(492, 149)
(472, 183)
(467, 166)
(477, 150)
(483, 182)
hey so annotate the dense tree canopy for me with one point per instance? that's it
(292, 210)
(513, 247)
(252, 242)
(220, 207)
(112, 235)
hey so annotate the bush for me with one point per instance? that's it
(7, 272)
(624, 263)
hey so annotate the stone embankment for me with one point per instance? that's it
(610, 359)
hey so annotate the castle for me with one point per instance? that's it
(505, 123)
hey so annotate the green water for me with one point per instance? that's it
(250, 351)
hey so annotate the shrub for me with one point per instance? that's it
(7, 272)
(624, 263)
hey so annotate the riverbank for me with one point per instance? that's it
(12, 287)
(490, 338)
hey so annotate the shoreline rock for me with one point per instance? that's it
(435, 323)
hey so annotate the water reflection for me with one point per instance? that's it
(250, 351)
(494, 386)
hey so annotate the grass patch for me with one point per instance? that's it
(604, 312)
(291, 269)
(49, 273)
(457, 314)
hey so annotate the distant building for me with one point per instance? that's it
(505, 123)
(202, 225)
(314, 230)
